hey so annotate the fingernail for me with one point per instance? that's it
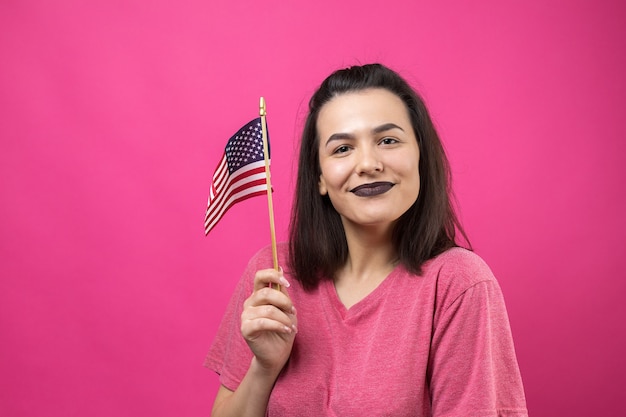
(288, 329)
(284, 282)
(293, 310)
(295, 328)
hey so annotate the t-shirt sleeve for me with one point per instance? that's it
(229, 355)
(473, 369)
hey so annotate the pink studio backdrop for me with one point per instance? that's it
(113, 116)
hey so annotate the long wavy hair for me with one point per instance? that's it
(318, 246)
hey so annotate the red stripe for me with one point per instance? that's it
(211, 224)
(220, 190)
(217, 205)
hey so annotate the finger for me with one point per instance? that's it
(294, 320)
(266, 318)
(252, 328)
(267, 311)
(271, 297)
(267, 277)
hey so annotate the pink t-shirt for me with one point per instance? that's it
(438, 344)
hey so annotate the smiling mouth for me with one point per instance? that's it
(373, 189)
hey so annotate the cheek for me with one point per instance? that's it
(410, 169)
(413, 177)
(334, 175)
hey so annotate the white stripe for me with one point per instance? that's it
(211, 222)
(220, 167)
(220, 175)
(238, 183)
(219, 171)
(236, 174)
(219, 202)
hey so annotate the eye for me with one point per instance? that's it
(388, 141)
(342, 149)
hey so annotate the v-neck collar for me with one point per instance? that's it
(362, 305)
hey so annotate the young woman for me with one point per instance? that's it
(379, 312)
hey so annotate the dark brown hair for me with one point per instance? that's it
(318, 246)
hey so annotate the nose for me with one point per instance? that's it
(368, 161)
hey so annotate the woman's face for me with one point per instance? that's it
(369, 157)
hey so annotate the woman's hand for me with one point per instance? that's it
(268, 321)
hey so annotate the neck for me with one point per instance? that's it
(370, 252)
(371, 258)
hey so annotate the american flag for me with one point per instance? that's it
(240, 173)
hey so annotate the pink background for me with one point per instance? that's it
(113, 116)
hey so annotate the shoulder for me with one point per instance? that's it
(264, 257)
(456, 271)
(466, 268)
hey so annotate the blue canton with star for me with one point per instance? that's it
(246, 146)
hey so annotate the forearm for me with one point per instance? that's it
(250, 399)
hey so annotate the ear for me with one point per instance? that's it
(322, 186)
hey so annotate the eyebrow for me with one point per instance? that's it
(378, 129)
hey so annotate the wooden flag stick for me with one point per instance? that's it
(270, 205)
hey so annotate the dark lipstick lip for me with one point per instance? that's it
(369, 189)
